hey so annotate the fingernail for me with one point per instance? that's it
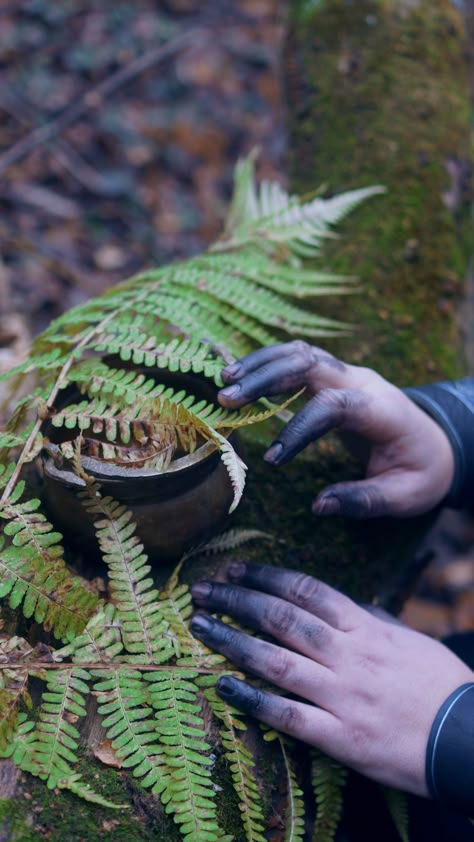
(274, 453)
(330, 505)
(230, 391)
(232, 370)
(201, 590)
(200, 624)
(236, 570)
(226, 687)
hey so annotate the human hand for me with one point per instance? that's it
(410, 465)
(370, 688)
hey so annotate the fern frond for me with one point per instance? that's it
(185, 786)
(250, 300)
(101, 640)
(328, 779)
(128, 719)
(142, 623)
(13, 685)
(241, 765)
(118, 385)
(176, 606)
(183, 355)
(276, 276)
(269, 218)
(295, 812)
(228, 541)
(53, 744)
(75, 784)
(33, 572)
(397, 805)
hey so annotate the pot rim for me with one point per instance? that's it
(108, 471)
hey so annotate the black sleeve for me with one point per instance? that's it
(450, 752)
(452, 406)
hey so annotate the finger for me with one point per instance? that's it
(273, 663)
(314, 726)
(395, 493)
(275, 377)
(310, 594)
(256, 359)
(289, 624)
(328, 410)
(280, 368)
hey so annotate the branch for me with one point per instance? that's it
(94, 97)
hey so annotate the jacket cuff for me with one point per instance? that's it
(451, 405)
(450, 752)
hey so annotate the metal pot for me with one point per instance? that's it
(174, 510)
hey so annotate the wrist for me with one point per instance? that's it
(450, 751)
(451, 406)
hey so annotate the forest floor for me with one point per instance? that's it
(119, 130)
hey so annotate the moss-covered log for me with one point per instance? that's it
(379, 93)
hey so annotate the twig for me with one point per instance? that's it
(94, 97)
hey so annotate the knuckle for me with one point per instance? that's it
(315, 634)
(339, 400)
(306, 591)
(259, 702)
(281, 617)
(303, 351)
(278, 665)
(290, 718)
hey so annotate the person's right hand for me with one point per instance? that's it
(410, 465)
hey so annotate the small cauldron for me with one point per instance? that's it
(174, 510)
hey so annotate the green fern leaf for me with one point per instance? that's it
(101, 640)
(33, 572)
(122, 698)
(294, 818)
(228, 541)
(75, 784)
(328, 778)
(241, 765)
(176, 606)
(52, 745)
(185, 787)
(13, 685)
(397, 805)
(143, 626)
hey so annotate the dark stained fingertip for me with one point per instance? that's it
(274, 453)
(329, 505)
(230, 392)
(201, 625)
(231, 371)
(226, 686)
(201, 590)
(242, 695)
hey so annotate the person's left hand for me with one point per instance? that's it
(370, 688)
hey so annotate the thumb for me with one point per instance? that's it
(392, 493)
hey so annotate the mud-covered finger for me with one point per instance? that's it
(330, 409)
(276, 664)
(306, 592)
(311, 725)
(286, 622)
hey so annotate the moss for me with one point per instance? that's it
(57, 815)
(379, 94)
